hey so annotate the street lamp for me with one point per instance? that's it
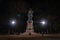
(43, 24)
(12, 24)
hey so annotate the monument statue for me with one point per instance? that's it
(30, 21)
(30, 15)
(30, 28)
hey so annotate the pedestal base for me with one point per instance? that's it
(28, 34)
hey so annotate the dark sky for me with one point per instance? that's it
(10, 9)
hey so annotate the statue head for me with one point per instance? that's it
(30, 10)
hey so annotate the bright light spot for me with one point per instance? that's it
(43, 22)
(13, 22)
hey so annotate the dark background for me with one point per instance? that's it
(10, 9)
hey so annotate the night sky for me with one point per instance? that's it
(17, 10)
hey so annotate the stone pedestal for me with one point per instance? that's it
(30, 27)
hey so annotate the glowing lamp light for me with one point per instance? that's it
(43, 22)
(13, 22)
